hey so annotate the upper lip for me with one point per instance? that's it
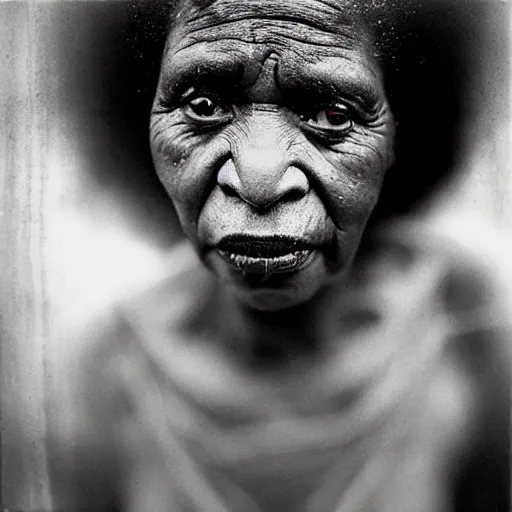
(262, 246)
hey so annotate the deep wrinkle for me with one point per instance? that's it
(298, 23)
(268, 23)
(325, 17)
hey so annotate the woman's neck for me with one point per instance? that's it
(272, 340)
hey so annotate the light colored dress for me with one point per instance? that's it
(413, 418)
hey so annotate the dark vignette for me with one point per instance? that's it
(432, 56)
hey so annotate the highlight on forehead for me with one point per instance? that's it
(354, 9)
(377, 19)
(326, 14)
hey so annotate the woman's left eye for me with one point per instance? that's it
(332, 122)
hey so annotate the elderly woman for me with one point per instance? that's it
(293, 359)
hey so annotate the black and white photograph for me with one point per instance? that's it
(255, 256)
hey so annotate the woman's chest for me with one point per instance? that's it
(189, 454)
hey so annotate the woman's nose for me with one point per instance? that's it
(263, 170)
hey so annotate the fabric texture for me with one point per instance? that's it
(403, 423)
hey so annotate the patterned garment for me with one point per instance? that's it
(415, 417)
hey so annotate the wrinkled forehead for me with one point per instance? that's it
(319, 40)
(314, 24)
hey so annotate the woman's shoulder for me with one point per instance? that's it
(459, 272)
(96, 416)
(470, 296)
(469, 259)
(112, 342)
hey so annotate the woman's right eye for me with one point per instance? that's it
(206, 109)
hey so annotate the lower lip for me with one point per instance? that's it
(267, 266)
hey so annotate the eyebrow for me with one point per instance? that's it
(212, 72)
(228, 74)
(323, 87)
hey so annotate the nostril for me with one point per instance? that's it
(287, 196)
(229, 190)
(294, 195)
(228, 180)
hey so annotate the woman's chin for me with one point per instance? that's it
(259, 289)
(273, 300)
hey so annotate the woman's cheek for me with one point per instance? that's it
(171, 149)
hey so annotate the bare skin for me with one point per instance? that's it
(272, 133)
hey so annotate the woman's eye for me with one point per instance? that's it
(204, 108)
(333, 117)
(331, 122)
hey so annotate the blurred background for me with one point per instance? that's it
(83, 219)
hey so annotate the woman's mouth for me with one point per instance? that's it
(266, 266)
(264, 255)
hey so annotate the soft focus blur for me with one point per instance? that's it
(84, 222)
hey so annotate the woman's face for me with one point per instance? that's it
(272, 133)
